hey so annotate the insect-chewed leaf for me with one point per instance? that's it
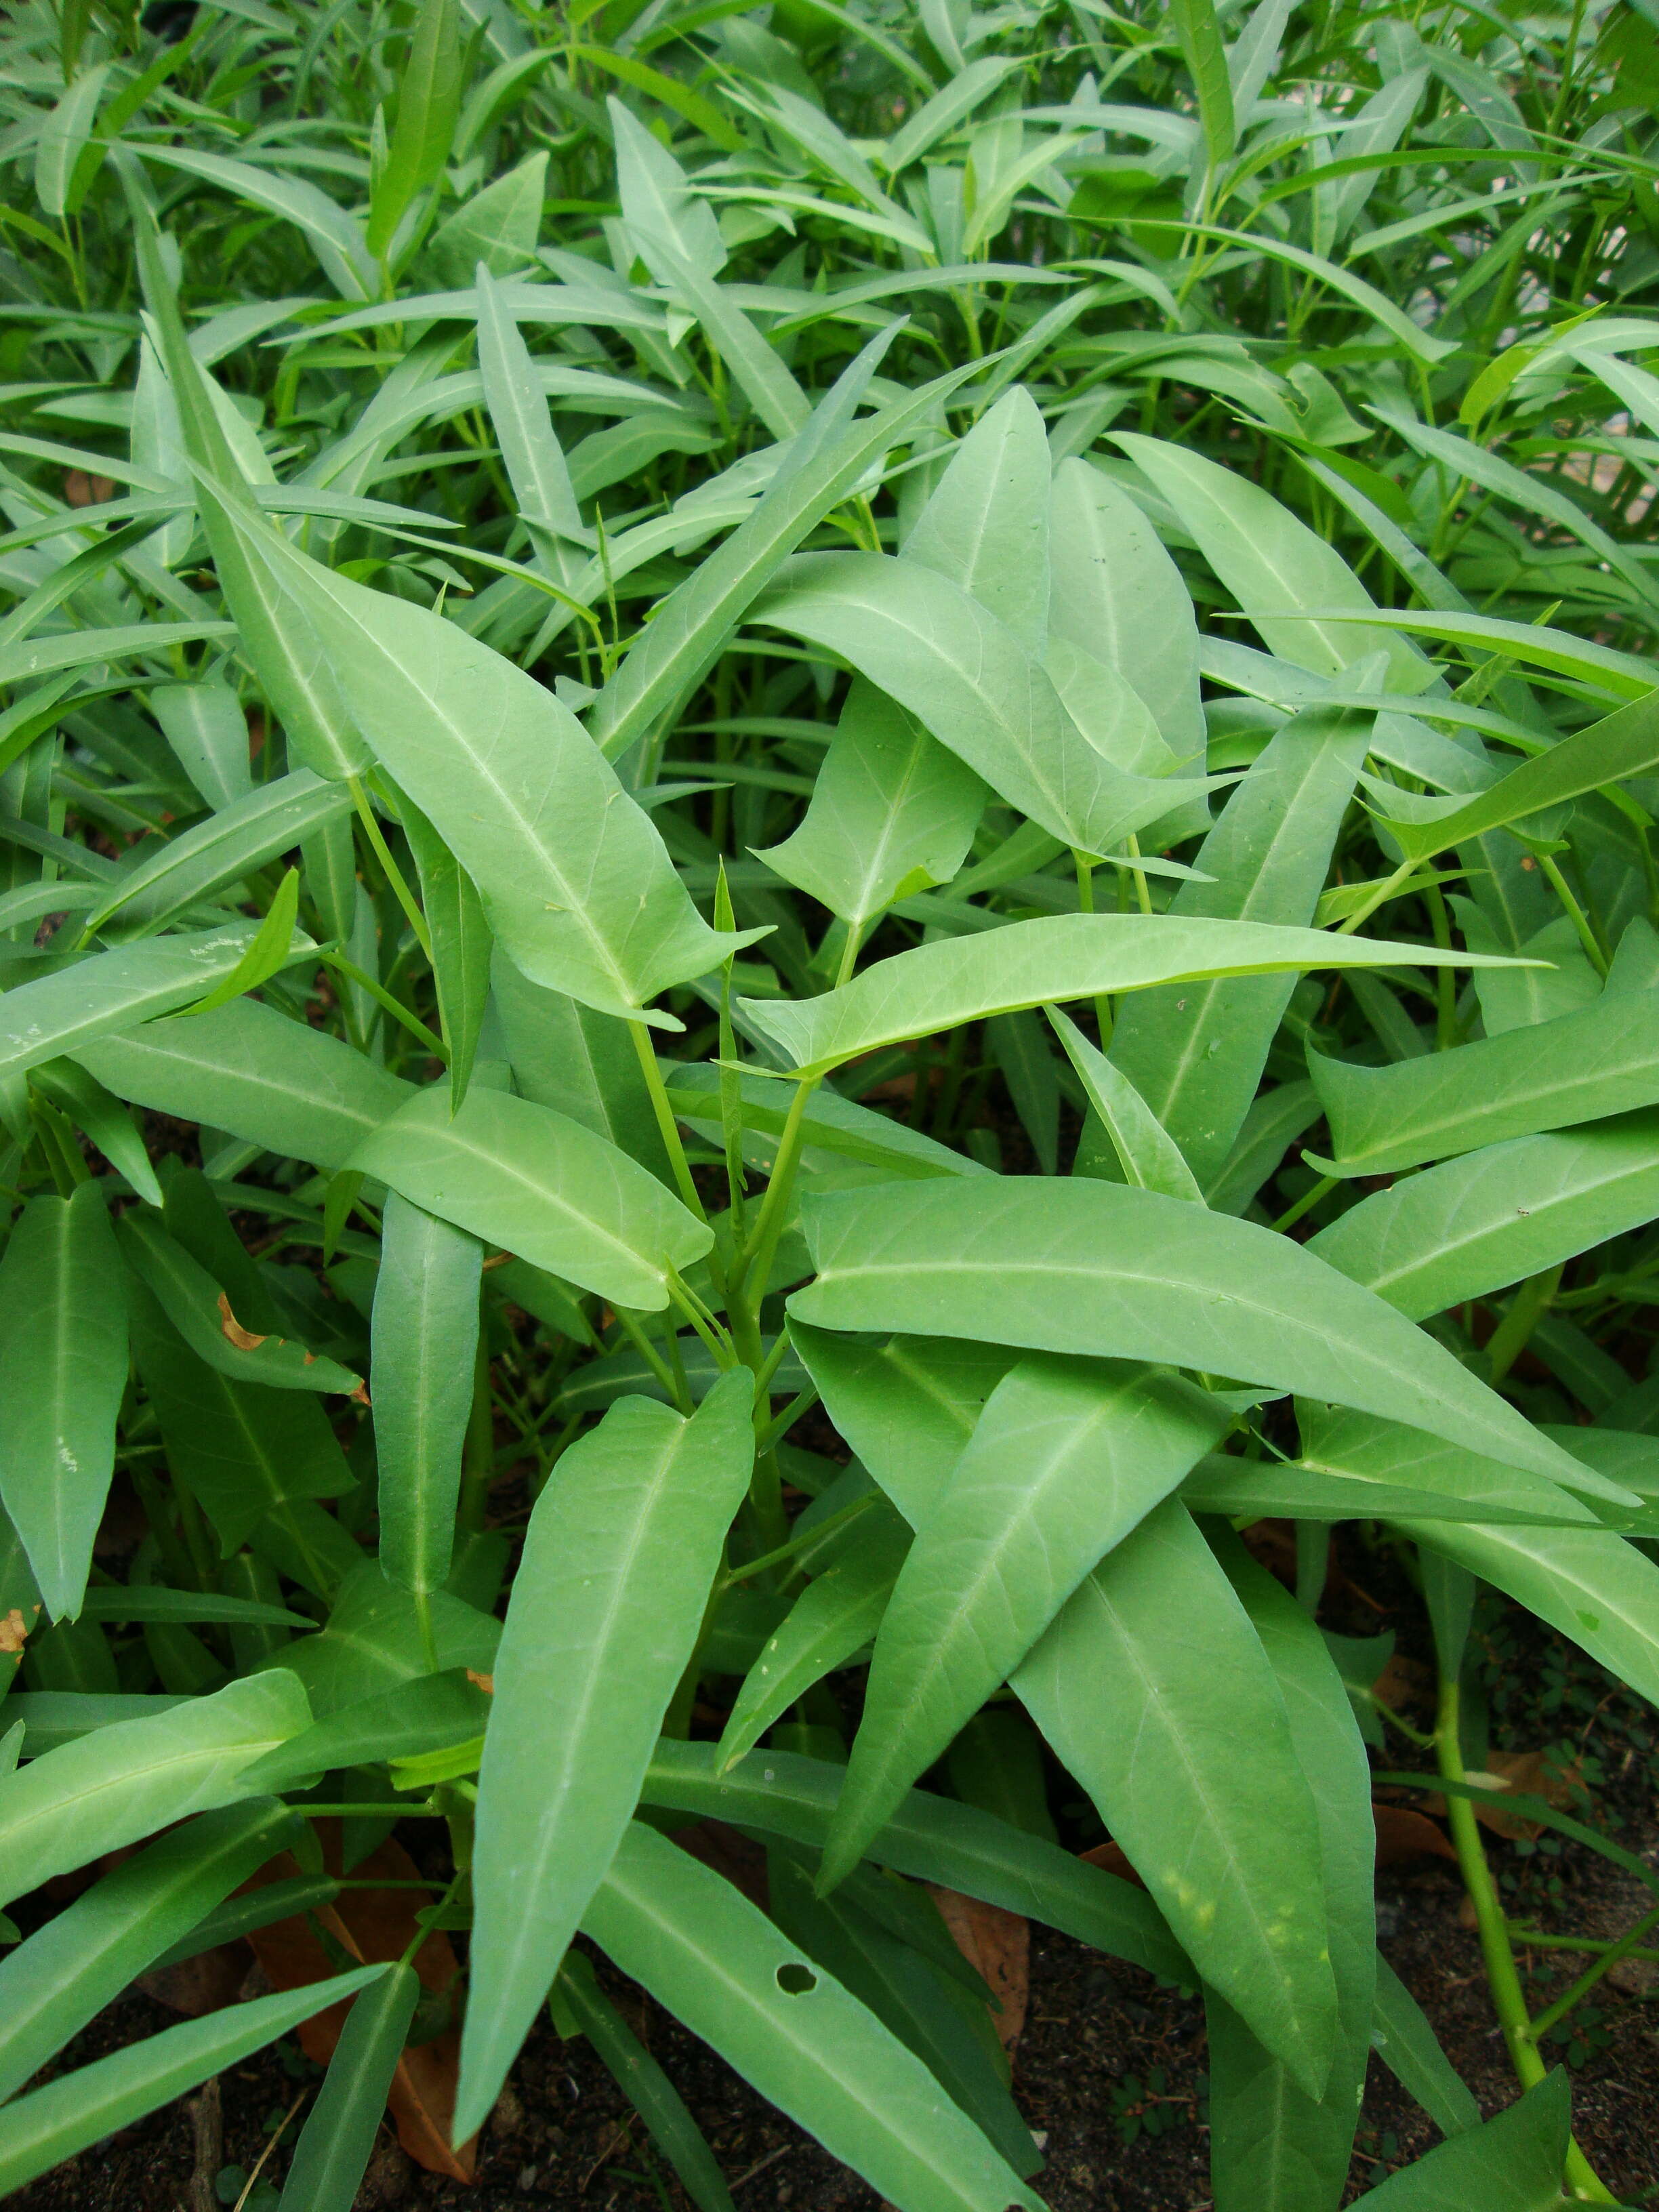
(624, 1544)
(202, 1314)
(537, 1184)
(1101, 1269)
(123, 1782)
(718, 1963)
(1060, 957)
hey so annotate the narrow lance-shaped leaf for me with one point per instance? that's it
(62, 1370)
(624, 1542)
(118, 990)
(428, 104)
(1067, 1456)
(461, 945)
(425, 1338)
(892, 812)
(1060, 957)
(124, 1782)
(1146, 1154)
(1102, 1270)
(51, 1984)
(1272, 2148)
(970, 679)
(537, 1184)
(337, 2139)
(1146, 1686)
(718, 1964)
(79, 2108)
(1196, 1054)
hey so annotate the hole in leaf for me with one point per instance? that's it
(795, 1980)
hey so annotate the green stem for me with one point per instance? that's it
(394, 875)
(666, 1122)
(1503, 1977)
(754, 1262)
(1592, 950)
(1581, 1989)
(678, 1391)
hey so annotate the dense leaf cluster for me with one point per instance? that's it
(820, 827)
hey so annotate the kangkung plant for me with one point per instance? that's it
(820, 826)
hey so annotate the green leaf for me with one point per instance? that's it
(880, 1941)
(624, 1542)
(1499, 1215)
(80, 2108)
(429, 106)
(1058, 958)
(1408, 2045)
(718, 1964)
(575, 881)
(1272, 2148)
(207, 729)
(834, 1617)
(1595, 1587)
(986, 527)
(62, 1370)
(1583, 1066)
(1146, 1153)
(933, 1838)
(1355, 1466)
(461, 945)
(644, 2084)
(1066, 1458)
(275, 1082)
(102, 1119)
(1118, 597)
(425, 1343)
(1512, 2164)
(202, 1314)
(969, 680)
(1196, 1054)
(1099, 1269)
(246, 833)
(86, 648)
(70, 1968)
(535, 1182)
(62, 1013)
(1622, 744)
(892, 812)
(271, 952)
(424, 1712)
(123, 1782)
(1147, 1687)
(1197, 29)
(1272, 562)
(372, 1644)
(691, 626)
(531, 452)
(335, 2145)
(245, 1451)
